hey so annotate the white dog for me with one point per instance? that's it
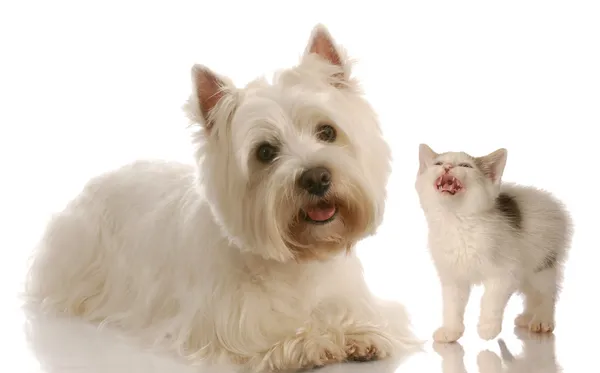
(247, 257)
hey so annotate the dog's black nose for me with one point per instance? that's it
(316, 181)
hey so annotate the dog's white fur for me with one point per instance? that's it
(473, 240)
(213, 260)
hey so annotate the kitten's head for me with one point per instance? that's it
(457, 181)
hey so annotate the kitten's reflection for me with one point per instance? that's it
(538, 356)
(452, 355)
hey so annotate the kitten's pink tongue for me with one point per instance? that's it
(448, 183)
(320, 213)
(448, 187)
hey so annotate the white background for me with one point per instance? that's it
(86, 86)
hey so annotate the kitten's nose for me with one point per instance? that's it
(448, 166)
(316, 181)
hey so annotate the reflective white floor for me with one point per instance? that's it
(60, 346)
(40, 344)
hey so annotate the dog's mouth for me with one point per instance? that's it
(321, 213)
(448, 184)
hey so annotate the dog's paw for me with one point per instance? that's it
(317, 352)
(489, 330)
(362, 351)
(541, 325)
(324, 357)
(367, 345)
(302, 352)
(523, 320)
(446, 334)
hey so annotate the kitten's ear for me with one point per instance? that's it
(210, 92)
(492, 165)
(426, 155)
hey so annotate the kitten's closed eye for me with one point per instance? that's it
(439, 163)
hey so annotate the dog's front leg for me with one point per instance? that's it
(371, 329)
(336, 331)
(281, 338)
(310, 345)
(277, 334)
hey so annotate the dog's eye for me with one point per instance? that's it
(326, 133)
(438, 163)
(266, 153)
(465, 165)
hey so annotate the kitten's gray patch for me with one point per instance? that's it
(548, 263)
(509, 208)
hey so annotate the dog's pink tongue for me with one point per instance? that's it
(321, 213)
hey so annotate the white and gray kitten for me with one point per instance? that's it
(508, 238)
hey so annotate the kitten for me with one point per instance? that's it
(508, 238)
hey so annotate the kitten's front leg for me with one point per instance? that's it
(455, 295)
(498, 291)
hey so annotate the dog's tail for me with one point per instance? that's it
(504, 351)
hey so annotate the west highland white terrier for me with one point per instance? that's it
(247, 257)
(509, 238)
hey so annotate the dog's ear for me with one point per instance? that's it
(211, 94)
(322, 44)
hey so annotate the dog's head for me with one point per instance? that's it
(294, 169)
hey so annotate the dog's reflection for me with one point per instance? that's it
(538, 356)
(382, 366)
(62, 345)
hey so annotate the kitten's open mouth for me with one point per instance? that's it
(448, 184)
(321, 213)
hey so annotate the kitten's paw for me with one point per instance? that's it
(539, 325)
(523, 320)
(489, 330)
(447, 334)
(487, 361)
